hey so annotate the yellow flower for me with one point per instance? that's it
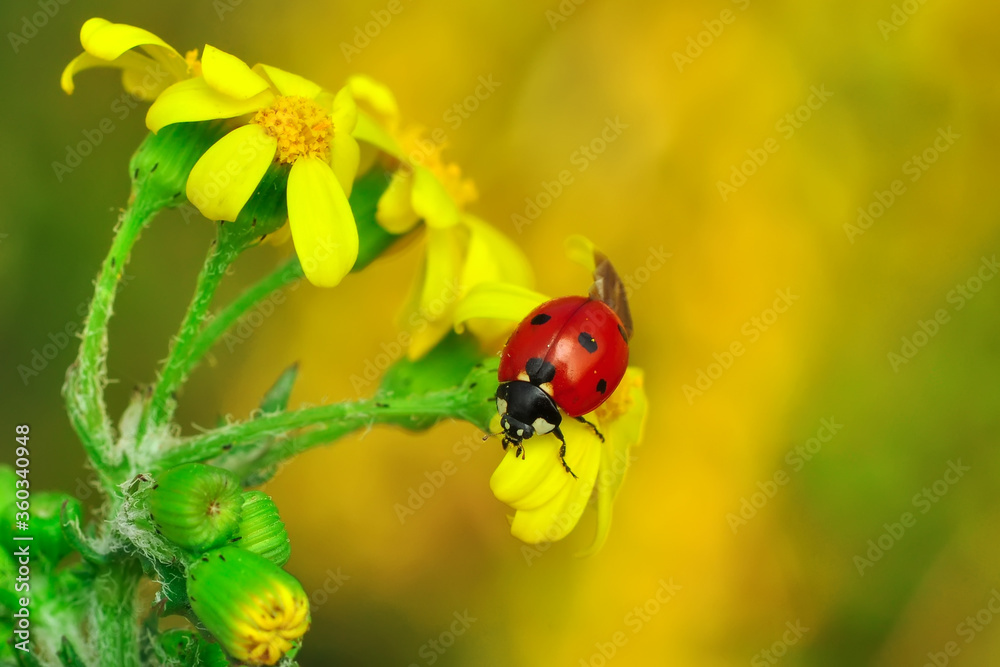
(284, 120)
(148, 63)
(548, 502)
(461, 250)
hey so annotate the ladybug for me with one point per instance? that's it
(567, 356)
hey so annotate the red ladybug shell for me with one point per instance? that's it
(585, 342)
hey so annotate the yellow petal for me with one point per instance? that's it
(289, 84)
(344, 158)
(375, 95)
(529, 483)
(322, 224)
(223, 179)
(86, 61)
(394, 211)
(623, 422)
(138, 83)
(493, 257)
(279, 237)
(430, 317)
(193, 100)
(431, 201)
(229, 75)
(107, 40)
(580, 249)
(555, 519)
(502, 301)
(344, 112)
(370, 132)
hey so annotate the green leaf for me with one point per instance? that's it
(276, 398)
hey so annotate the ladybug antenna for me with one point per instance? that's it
(491, 435)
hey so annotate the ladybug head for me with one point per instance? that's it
(525, 409)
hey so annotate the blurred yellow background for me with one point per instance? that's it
(820, 498)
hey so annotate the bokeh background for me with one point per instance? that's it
(893, 75)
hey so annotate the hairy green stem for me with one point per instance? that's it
(180, 360)
(329, 423)
(286, 274)
(87, 376)
(114, 613)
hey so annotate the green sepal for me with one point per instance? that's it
(161, 165)
(71, 520)
(183, 648)
(264, 213)
(481, 384)
(373, 240)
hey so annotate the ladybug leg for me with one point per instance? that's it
(562, 451)
(591, 425)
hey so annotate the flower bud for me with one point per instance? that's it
(255, 610)
(164, 160)
(261, 530)
(196, 506)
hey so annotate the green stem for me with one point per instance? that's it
(87, 376)
(286, 274)
(180, 361)
(114, 614)
(330, 421)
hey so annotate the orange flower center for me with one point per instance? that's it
(419, 148)
(301, 127)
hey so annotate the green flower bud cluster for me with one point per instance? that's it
(255, 610)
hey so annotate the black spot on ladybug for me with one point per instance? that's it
(602, 385)
(541, 318)
(624, 333)
(587, 341)
(539, 371)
